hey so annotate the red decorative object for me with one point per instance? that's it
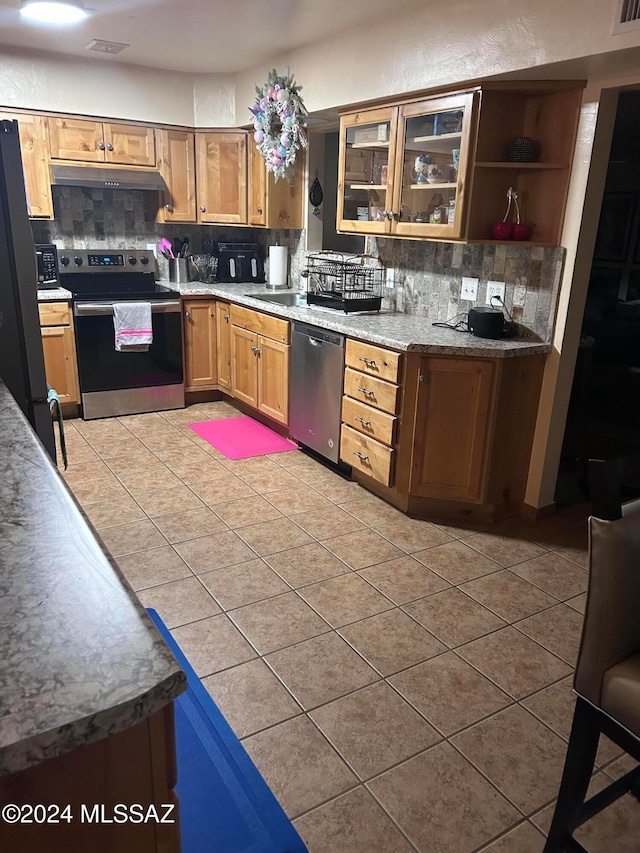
(511, 230)
(502, 230)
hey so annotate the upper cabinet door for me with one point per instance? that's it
(129, 144)
(35, 161)
(432, 162)
(257, 208)
(221, 168)
(76, 139)
(365, 171)
(177, 163)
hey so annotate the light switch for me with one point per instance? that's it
(469, 289)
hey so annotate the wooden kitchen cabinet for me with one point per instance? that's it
(35, 161)
(260, 362)
(465, 137)
(223, 342)
(59, 348)
(221, 177)
(101, 142)
(271, 203)
(440, 435)
(379, 191)
(453, 410)
(176, 159)
(200, 344)
(372, 391)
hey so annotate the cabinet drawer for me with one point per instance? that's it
(374, 392)
(54, 313)
(374, 361)
(366, 455)
(368, 421)
(262, 324)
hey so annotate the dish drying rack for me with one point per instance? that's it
(346, 282)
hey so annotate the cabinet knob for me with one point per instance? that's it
(259, 210)
(226, 318)
(203, 209)
(360, 456)
(391, 214)
(109, 146)
(169, 207)
(101, 146)
(422, 378)
(187, 313)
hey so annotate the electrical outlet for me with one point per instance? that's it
(151, 247)
(390, 277)
(495, 288)
(469, 289)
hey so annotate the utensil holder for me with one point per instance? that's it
(179, 271)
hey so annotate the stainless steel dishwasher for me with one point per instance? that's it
(315, 389)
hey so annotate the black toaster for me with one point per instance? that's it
(240, 263)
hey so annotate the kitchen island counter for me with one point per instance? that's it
(79, 657)
(404, 332)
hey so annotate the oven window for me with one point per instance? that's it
(102, 368)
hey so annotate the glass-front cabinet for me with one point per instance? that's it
(403, 170)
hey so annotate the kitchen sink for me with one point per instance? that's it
(291, 299)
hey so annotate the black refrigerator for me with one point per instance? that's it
(21, 357)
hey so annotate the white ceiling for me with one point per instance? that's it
(207, 36)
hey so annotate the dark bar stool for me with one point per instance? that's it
(607, 678)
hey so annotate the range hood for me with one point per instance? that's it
(106, 177)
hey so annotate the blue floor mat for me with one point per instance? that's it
(225, 804)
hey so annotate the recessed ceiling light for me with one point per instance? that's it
(53, 11)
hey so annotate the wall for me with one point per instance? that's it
(440, 44)
(53, 82)
(123, 219)
(429, 280)
(429, 275)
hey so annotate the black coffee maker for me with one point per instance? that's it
(240, 263)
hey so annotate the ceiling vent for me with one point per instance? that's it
(627, 16)
(101, 46)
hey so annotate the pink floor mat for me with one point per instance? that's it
(240, 437)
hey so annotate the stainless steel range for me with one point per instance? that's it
(113, 382)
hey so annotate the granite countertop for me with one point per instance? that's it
(79, 657)
(389, 328)
(54, 294)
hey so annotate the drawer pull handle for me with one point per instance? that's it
(226, 318)
(366, 392)
(360, 456)
(370, 362)
(363, 422)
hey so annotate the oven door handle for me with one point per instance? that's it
(96, 309)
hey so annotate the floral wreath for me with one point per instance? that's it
(279, 123)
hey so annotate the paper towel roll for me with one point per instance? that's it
(278, 266)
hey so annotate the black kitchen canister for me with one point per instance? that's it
(523, 149)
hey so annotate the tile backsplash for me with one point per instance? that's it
(428, 275)
(428, 279)
(123, 219)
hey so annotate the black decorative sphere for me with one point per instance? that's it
(523, 149)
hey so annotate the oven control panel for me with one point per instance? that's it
(105, 260)
(90, 260)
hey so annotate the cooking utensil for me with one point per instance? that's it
(167, 248)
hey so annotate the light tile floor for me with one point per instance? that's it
(402, 685)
